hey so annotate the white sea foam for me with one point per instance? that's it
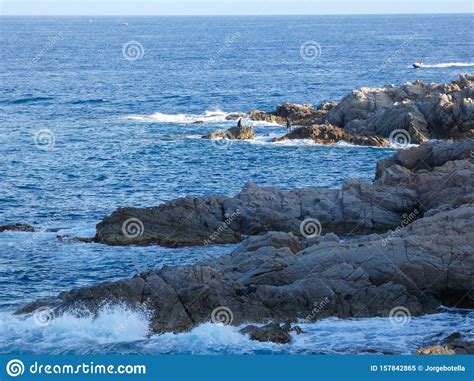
(448, 64)
(208, 117)
(216, 116)
(68, 331)
(124, 330)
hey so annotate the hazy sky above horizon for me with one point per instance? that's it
(229, 7)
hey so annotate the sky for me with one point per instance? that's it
(230, 7)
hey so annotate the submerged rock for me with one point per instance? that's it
(327, 134)
(460, 344)
(455, 343)
(17, 227)
(236, 115)
(68, 238)
(273, 332)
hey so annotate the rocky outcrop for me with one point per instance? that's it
(442, 173)
(411, 113)
(263, 116)
(419, 180)
(233, 133)
(18, 227)
(426, 264)
(455, 343)
(297, 114)
(460, 344)
(437, 111)
(306, 273)
(273, 332)
(327, 134)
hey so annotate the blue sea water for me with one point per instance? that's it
(86, 128)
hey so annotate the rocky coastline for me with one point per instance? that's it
(401, 244)
(403, 241)
(412, 113)
(422, 179)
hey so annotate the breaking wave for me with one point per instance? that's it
(208, 117)
(118, 329)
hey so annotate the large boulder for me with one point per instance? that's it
(294, 111)
(233, 133)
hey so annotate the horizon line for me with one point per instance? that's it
(237, 15)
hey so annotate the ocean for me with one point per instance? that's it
(100, 112)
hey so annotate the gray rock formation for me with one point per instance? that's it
(273, 332)
(422, 178)
(296, 113)
(425, 262)
(327, 134)
(233, 133)
(413, 112)
(436, 111)
(455, 343)
(460, 344)
(17, 227)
